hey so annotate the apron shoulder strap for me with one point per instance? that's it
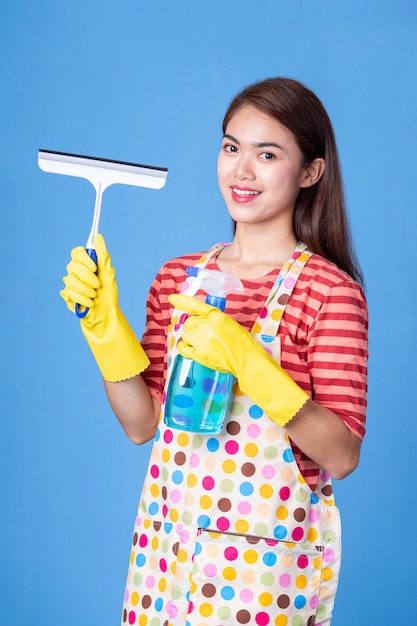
(203, 260)
(271, 314)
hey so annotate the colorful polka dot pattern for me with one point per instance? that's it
(228, 533)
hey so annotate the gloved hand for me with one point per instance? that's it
(216, 340)
(113, 343)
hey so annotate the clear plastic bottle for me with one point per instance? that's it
(198, 396)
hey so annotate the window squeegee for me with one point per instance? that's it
(101, 173)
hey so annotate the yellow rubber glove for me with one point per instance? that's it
(113, 343)
(216, 340)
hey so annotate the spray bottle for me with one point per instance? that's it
(197, 396)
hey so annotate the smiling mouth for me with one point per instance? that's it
(245, 192)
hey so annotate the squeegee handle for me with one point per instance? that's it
(93, 255)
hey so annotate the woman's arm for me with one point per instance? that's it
(324, 437)
(135, 408)
(329, 428)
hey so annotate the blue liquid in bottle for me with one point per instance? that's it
(197, 396)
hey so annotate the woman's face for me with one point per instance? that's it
(260, 169)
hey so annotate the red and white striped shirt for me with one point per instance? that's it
(324, 336)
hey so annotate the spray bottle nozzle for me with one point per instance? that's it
(217, 285)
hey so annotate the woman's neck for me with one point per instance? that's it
(253, 254)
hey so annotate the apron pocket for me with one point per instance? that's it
(249, 580)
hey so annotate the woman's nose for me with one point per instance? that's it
(244, 169)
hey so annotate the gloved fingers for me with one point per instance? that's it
(71, 298)
(75, 296)
(70, 303)
(83, 274)
(79, 287)
(206, 325)
(80, 256)
(185, 349)
(105, 270)
(190, 305)
(211, 356)
(187, 338)
(100, 245)
(199, 331)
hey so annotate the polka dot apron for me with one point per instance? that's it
(228, 532)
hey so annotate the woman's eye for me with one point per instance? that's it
(267, 155)
(230, 148)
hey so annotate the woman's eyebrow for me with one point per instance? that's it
(231, 138)
(261, 144)
(268, 144)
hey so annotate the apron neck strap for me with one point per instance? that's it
(271, 314)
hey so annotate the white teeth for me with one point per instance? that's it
(245, 192)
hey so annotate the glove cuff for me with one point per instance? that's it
(293, 399)
(117, 350)
(274, 391)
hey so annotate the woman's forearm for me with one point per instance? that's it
(135, 408)
(324, 437)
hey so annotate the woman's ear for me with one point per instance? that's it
(313, 172)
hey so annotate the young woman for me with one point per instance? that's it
(241, 527)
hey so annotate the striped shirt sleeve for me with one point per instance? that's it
(338, 353)
(325, 331)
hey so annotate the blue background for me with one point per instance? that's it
(149, 82)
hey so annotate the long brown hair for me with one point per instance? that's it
(320, 217)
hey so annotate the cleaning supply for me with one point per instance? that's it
(217, 341)
(197, 396)
(101, 173)
(112, 341)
